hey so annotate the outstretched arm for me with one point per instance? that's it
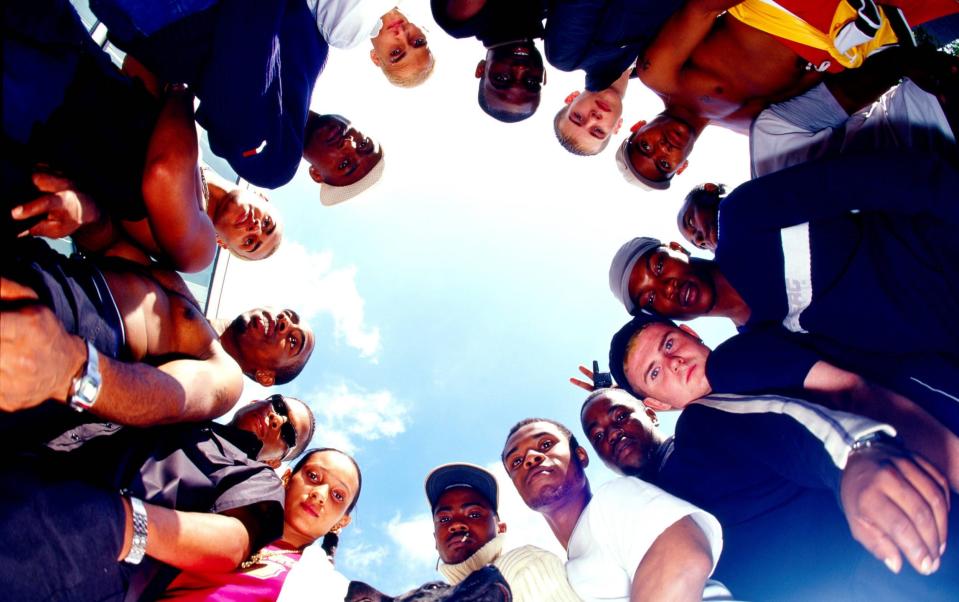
(661, 65)
(191, 541)
(676, 566)
(137, 394)
(172, 190)
(919, 430)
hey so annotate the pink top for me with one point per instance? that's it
(260, 582)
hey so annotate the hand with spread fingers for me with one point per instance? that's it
(597, 379)
(896, 504)
(64, 209)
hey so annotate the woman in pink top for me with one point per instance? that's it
(321, 491)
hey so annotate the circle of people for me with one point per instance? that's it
(815, 450)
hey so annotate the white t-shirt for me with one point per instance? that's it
(814, 125)
(618, 526)
(313, 579)
(348, 23)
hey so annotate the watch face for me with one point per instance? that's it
(87, 391)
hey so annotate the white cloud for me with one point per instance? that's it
(345, 414)
(361, 557)
(306, 282)
(414, 538)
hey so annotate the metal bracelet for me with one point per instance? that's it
(138, 546)
(872, 440)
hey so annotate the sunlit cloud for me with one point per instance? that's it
(347, 414)
(307, 282)
(361, 558)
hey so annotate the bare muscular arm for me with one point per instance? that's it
(136, 394)
(662, 64)
(676, 565)
(181, 230)
(920, 431)
(191, 541)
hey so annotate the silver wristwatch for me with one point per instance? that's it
(86, 387)
(138, 545)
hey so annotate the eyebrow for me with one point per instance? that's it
(398, 58)
(258, 244)
(294, 317)
(598, 137)
(272, 227)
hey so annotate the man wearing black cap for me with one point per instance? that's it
(464, 499)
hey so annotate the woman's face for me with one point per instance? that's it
(318, 495)
(246, 225)
(698, 223)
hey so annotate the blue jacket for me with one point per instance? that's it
(602, 37)
(768, 468)
(252, 64)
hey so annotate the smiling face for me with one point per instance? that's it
(658, 149)
(664, 281)
(621, 431)
(698, 218)
(269, 344)
(511, 80)
(539, 461)
(276, 422)
(667, 363)
(318, 496)
(246, 226)
(590, 118)
(463, 522)
(338, 153)
(400, 49)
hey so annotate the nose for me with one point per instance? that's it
(320, 493)
(457, 526)
(533, 458)
(675, 362)
(276, 421)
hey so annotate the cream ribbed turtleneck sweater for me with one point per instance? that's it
(533, 574)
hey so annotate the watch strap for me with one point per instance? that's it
(138, 545)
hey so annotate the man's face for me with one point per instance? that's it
(540, 463)
(271, 340)
(659, 149)
(512, 77)
(666, 283)
(245, 224)
(276, 422)
(463, 522)
(668, 364)
(592, 117)
(338, 153)
(621, 431)
(699, 223)
(401, 46)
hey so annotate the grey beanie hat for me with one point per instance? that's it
(622, 266)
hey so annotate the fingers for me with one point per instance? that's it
(48, 182)
(930, 511)
(586, 372)
(581, 384)
(877, 543)
(899, 504)
(10, 290)
(37, 206)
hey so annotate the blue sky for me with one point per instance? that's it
(459, 294)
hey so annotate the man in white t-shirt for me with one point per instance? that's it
(863, 109)
(627, 541)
